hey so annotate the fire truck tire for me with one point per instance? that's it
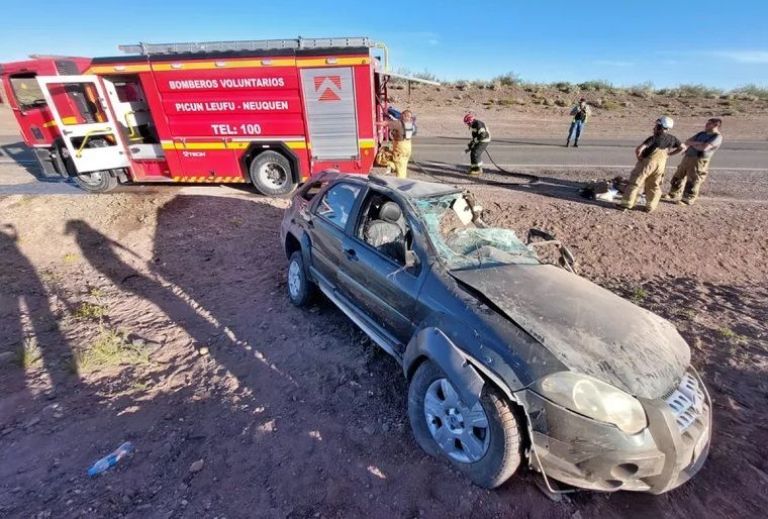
(271, 174)
(58, 153)
(96, 181)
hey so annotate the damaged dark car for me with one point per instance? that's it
(510, 360)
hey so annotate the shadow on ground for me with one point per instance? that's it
(24, 157)
(541, 185)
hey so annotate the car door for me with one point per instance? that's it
(382, 287)
(330, 215)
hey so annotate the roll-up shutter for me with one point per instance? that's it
(329, 100)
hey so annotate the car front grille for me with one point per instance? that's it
(687, 402)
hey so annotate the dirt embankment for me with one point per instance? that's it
(161, 318)
(542, 112)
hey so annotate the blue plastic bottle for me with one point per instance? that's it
(110, 460)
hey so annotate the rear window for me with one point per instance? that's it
(27, 92)
(309, 192)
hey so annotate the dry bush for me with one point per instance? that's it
(508, 79)
(753, 90)
(596, 85)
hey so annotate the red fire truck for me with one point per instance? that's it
(269, 112)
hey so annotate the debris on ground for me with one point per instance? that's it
(112, 459)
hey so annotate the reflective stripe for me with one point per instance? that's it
(294, 144)
(210, 180)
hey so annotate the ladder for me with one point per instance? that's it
(147, 49)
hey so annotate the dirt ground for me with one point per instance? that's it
(158, 315)
(161, 318)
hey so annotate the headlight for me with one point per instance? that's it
(595, 399)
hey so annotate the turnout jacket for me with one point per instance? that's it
(479, 133)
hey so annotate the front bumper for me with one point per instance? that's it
(588, 454)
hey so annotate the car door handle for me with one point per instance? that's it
(351, 254)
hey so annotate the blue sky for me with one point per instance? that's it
(722, 44)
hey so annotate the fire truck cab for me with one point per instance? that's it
(268, 112)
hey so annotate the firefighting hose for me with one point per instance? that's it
(526, 176)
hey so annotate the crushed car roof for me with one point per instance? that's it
(414, 188)
(405, 186)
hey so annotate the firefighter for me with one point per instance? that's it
(693, 168)
(481, 137)
(401, 131)
(651, 163)
(580, 113)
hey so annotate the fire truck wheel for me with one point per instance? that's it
(96, 181)
(271, 174)
(60, 157)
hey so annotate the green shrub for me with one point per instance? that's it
(110, 348)
(88, 310)
(697, 91)
(752, 90)
(508, 79)
(668, 92)
(563, 86)
(596, 85)
(641, 90)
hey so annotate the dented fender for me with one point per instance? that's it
(437, 347)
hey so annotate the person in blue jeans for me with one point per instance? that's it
(580, 113)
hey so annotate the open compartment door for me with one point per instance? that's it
(87, 127)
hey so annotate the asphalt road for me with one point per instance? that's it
(19, 173)
(549, 154)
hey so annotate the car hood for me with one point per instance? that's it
(591, 330)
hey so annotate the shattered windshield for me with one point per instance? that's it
(462, 243)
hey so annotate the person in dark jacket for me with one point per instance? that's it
(580, 114)
(481, 137)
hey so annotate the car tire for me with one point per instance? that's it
(300, 289)
(503, 451)
(271, 174)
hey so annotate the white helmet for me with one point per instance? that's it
(665, 122)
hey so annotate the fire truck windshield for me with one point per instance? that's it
(27, 92)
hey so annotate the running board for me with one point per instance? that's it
(383, 339)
